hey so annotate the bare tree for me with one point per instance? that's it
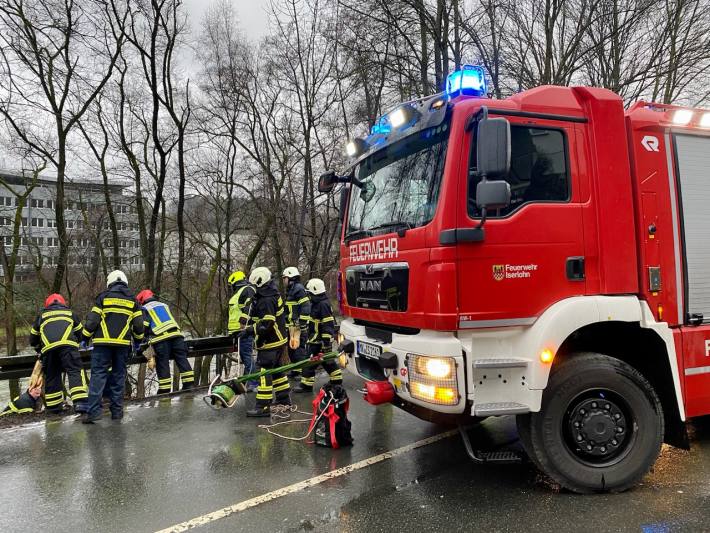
(51, 50)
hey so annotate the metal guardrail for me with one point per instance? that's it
(20, 366)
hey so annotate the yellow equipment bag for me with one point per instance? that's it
(37, 377)
(149, 354)
(294, 337)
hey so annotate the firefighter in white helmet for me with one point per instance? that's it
(268, 320)
(321, 329)
(113, 323)
(298, 308)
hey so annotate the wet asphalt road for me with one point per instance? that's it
(173, 460)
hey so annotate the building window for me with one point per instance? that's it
(34, 202)
(5, 221)
(6, 200)
(37, 222)
(51, 223)
(24, 222)
(50, 204)
(7, 240)
(39, 241)
(123, 243)
(70, 224)
(52, 242)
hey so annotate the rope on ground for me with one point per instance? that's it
(284, 411)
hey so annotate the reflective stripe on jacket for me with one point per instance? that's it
(321, 323)
(159, 322)
(297, 303)
(239, 306)
(268, 318)
(115, 318)
(55, 326)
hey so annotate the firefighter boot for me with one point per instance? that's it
(259, 411)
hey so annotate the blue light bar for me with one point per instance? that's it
(470, 80)
(381, 127)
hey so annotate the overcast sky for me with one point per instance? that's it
(251, 13)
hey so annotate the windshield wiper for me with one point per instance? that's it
(398, 225)
(357, 234)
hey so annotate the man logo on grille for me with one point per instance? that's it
(498, 272)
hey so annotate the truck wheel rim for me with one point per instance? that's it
(598, 427)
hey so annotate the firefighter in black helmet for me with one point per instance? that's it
(269, 328)
(55, 336)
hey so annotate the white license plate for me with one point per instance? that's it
(369, 351)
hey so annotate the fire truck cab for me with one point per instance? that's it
(545, 256)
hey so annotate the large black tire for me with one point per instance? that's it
(600, 427)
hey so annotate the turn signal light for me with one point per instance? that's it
(546, 356)
(444, 395)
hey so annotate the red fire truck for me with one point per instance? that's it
(545, 256)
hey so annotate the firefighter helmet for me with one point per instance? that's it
(55, 298)
(260, 276)
(115, 276)
(291, 272)
(235, 277)
(144, 295)
(315, 286)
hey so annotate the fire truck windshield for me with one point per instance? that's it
(407, 178)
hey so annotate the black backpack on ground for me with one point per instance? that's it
(330, 424)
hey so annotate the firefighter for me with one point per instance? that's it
(24, 403)
(164, 334)
(321, 328)
(239, 310)
(55, 336)
(298, 307)
(112, 323)
(269, 328)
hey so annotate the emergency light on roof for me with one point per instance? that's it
(381, 127)
(470, 80)
(682, 116)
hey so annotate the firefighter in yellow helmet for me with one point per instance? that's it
(240, 305)
(268, 318)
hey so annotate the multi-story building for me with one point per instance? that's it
(86, 218)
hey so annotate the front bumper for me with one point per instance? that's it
(425, 343)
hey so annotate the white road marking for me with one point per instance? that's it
(296, 487)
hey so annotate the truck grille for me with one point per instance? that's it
(383, 286)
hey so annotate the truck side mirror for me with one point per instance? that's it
(493, 147)
(327, 182)
(493, 194)
(344, 196)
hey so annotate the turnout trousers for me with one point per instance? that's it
(308, 377)
(172, 348)
(64, 359)
(274, 387)
(103, 358)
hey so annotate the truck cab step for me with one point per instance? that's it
(500, 409)
(497, 456)
(509, 362)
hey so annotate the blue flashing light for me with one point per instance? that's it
(381, 127)
(470, 80)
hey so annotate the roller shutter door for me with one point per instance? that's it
(693, 158)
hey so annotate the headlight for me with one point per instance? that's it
(433, 379)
